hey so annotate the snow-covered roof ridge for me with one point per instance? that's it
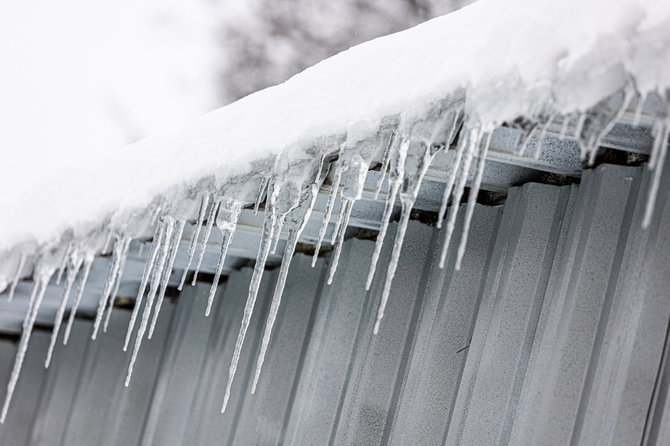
(397, 101)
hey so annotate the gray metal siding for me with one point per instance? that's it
(553, 332)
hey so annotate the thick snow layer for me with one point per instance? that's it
(512, 58)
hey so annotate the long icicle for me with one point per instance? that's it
(261, 257)
(329, 212)
(211, 218)
(17, 276)
(194, 240)
(472, 199)
(458, 193)
(158, 270)
(393, 264)
(63, 263)
(117, 283)
(109, 283)
(72, 270)
(174, 247)
(28, 323)
(261, 192)
(379, 243)
(88, 262)
(227, 227)
(450, 183)
(293, 236)
(157, 240)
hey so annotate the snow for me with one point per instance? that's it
(512, 57)
(399, 99)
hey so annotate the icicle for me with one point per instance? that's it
(395, 179)
(194, 241)
(474, 140)
(418, 159)
(117, 282)
(472, 199)
(158, 270)
(347, 206)
(205, 238)
(277, 231)
(261, 192)
(226, 221)
(88, 262)
(385, 164)
(174, 247)
(450, 183)
(657, 163)
(157, 240)
(29, 321)
(388, 210)
(263, 251)
(564, 127)
(74, 264)
(338, 223)
(17, 276)
(109, 283)
(297, 221)
(107, 246)
(329, 212)
(393, 264)
(63, 262)
(154, 214)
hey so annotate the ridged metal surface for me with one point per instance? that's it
(554, 331)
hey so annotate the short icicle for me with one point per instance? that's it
(472, 199)
(74, 264)
(211, 218)
(88, 262)
(174, 247)
(226, 221)
(194, 240)
(158, 270)
(17, 276)
(157, 241)
(329, 212)
(36, 297)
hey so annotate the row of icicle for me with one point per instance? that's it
(406, 151)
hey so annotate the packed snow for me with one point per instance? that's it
(397, 100)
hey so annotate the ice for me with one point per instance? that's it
(471, 141)
(472, 198)
(157, 241)
(194, 240)
(329, 212)
(117, 256)
(205, 238)
(296, 221)
(74, 261)
(226, 221)
(88, 262)
(41, 278)
(117, 282)
(168, 225)
(174, 247)
(17, 276)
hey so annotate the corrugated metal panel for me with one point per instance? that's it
(553, 332)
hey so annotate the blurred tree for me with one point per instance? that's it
(279, 38)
